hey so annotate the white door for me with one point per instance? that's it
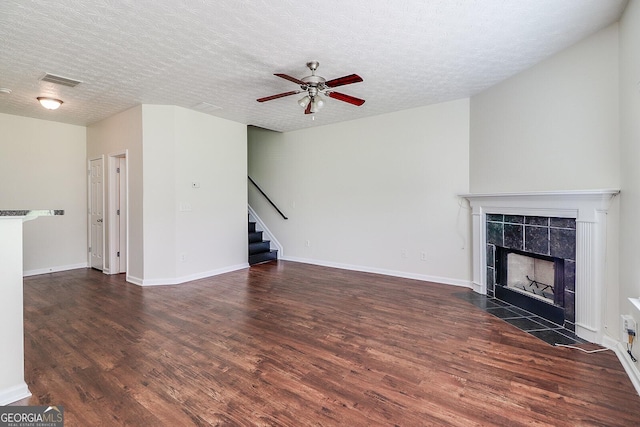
(96, 214)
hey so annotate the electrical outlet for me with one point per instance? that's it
(628, 323)
(404, 253)
(423, 256)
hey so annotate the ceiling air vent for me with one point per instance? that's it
(59, 80)
(206, 107)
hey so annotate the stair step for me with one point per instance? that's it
(263, 257)
(258, 247)
(255, 236)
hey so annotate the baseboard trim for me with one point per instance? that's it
(133, 279)
(185, 279)
(384, 272)
(54, 269)
(13, 394)
(630, 368)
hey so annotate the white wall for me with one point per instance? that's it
(159, 199)
(213, 153)
(42, 166)
(191, 233)
(12, 384)
(114, 135)
(168, 148)
(629, 158)
(360, 192)
(553, 126)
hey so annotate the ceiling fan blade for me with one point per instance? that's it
(291, 79)
(346, 80)
(308, 109)
(346, 98)
(280, 95)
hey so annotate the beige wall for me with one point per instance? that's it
(553, 126)
(42, 166)
(629, 158)
(361, 192)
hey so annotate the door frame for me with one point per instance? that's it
(89, 194)
(112, 191)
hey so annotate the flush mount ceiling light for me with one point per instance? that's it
(49, 103)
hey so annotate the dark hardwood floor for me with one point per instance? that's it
(300, 345)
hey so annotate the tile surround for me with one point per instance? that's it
(536, 239)
(547, 236)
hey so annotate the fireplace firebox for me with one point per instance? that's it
(531, 281)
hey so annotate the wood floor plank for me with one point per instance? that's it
(289, 344)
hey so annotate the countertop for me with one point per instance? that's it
(30, 213)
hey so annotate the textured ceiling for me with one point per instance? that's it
(184, 52)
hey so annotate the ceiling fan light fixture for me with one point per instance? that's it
(313, 86)
(49, 103)
(316, 104)
(304, 101)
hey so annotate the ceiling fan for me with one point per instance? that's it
(314, 86)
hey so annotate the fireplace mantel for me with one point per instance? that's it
(589, 208)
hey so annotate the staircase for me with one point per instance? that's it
(259, 250)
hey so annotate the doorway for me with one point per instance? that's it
(96, 213)
(118, 213)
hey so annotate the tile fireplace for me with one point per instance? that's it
(555, 238)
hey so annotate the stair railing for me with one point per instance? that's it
(267, 197)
